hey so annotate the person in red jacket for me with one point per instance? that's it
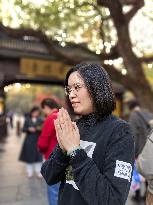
(47, 141)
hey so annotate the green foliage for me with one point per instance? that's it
(76, 21)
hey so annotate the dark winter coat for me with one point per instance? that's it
(29, 152)
(100, 173)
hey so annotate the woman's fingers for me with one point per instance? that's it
(67, 119)
(60, 117)
(66, 115)
(76, 130)
(58, 133)
(67, 133)
(64, 120)
(56, 129)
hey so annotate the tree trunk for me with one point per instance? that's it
(139, 85)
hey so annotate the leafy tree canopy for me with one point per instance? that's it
(97, 26)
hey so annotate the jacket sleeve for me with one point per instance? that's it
(144, 162)
(112, 185)
(44, 138)
(136, 128)
(25, 126)
(53, 170)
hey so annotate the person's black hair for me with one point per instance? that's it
(34, 109)
(132, 104)
(52, 104)
(98, 85)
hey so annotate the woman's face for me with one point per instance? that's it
(78, 95)
(35, 114)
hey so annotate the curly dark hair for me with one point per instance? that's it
(99, 87)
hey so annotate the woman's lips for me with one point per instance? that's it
(74, 104)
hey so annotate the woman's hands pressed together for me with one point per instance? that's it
(67, 131)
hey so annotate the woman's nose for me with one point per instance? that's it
(72, 93)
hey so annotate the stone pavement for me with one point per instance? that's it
(15, 187)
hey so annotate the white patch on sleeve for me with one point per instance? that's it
(89, 147)
(123, 170)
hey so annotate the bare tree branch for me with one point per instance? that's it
(104, 3)
(107, 3)
(130, 2)
(148, 59)
(136, 6)
(114, 54)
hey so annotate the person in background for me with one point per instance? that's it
(138, 120)
(10, 115)
(29, 152)
(145, 166)
(47, 141)
(94, 156)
